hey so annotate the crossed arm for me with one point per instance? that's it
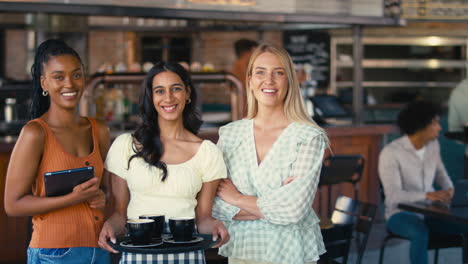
(287, 204)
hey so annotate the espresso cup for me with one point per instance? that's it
(182, 228)
(158, 225)
(140, 230)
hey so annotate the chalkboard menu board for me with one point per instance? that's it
(309, 48)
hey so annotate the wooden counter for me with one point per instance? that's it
(13, 230)
(366, 140)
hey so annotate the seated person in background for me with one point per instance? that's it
(408, 167)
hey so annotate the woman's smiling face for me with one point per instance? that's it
(169, 95)
(63, 79)
(269, 80)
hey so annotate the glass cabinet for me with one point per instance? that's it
(397, 69)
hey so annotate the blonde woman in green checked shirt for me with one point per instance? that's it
(274, 157)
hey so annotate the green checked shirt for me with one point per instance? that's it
(289, 232)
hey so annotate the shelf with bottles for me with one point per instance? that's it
(431, 65)
(116, 103)
(114, 97)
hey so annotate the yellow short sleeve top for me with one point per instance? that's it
(176, 196)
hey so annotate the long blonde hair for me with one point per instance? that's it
(294, 108)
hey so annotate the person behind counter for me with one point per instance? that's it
(57, 138)
(274, 157)
(408, 168)
(243, 48)
(164, 168)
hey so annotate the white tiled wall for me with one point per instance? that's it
(323, 7)
(328, 7)
(367, 8)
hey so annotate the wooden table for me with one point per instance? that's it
(451, 214)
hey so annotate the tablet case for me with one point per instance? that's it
(58, 183)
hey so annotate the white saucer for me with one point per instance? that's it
(153, 243)
(172, 241)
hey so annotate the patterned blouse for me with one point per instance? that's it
(289, 232)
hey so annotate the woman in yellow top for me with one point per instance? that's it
(164, 168)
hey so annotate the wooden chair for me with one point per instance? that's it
(337, 169)
(337, 242)
(348, 212)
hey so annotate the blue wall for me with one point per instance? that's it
(452, 153)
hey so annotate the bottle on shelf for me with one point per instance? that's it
(10, 110)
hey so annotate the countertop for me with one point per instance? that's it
(7, 142)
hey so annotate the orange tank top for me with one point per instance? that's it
(74, 226)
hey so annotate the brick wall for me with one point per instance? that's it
(12, 18)
(218, 48)
(15, 55)
(106, 47)
(111, 47)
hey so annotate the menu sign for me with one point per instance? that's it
(435, 9)
(310, 50)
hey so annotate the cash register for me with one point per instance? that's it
(328, 110)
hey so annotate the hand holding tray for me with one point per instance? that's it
(200, 242)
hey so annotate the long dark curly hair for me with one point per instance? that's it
(49, 48)
(147, 135)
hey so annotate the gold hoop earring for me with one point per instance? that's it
(45, 93)
(189, 101)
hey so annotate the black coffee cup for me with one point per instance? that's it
(140, 230)
(182, 228)
(158, 225)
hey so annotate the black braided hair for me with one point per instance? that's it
(49, 48)
(147, 133)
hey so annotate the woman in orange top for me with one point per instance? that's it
(66, 228)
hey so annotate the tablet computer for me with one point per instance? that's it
(59, 183)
